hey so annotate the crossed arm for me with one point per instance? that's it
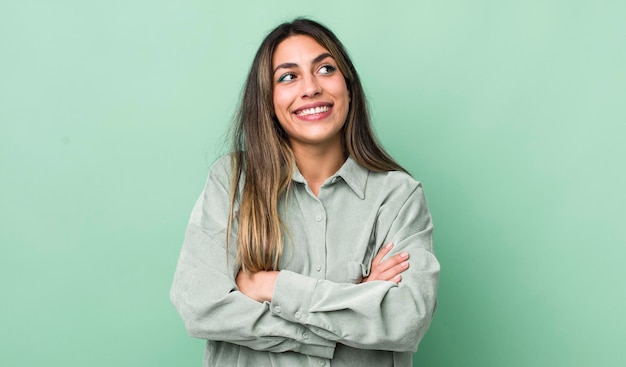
(259, 286)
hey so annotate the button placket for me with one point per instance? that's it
(320, 240)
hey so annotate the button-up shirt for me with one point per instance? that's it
(320, 314)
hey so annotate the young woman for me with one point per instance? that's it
(309, 245)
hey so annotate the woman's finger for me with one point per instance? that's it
(394, 271)
(382, 253)
(391, 262)
(387, 269)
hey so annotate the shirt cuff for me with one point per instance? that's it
(292, 296)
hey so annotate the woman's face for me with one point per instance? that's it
(311, 99)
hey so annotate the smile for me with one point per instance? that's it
(313, 111)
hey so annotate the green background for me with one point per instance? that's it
(510, 112)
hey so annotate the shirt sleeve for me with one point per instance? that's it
(374, 315)
(205, 294)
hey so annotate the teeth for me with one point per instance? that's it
(311, 111)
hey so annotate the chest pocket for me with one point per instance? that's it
(353, 270)
(350, 272)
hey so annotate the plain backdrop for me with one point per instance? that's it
(511, 113)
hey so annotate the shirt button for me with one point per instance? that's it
(298, 315)
(319, 217)
(305, 335)
(322, 362)
(318, 268)
(277, 309)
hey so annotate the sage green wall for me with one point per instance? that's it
(510, 112)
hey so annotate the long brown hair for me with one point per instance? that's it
(263, 159)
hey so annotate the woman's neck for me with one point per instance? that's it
(316, 165)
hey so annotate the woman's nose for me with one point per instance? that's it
(310, 86)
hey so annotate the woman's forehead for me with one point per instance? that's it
(298, 48)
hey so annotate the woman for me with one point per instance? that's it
(297, 251)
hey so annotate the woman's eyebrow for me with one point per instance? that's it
(289, 65)
(322, 57)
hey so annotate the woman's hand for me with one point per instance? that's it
(389, 269)
(259, 286)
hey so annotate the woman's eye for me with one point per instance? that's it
(286, 77)
(327, 69)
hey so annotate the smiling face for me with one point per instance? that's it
(311, 99)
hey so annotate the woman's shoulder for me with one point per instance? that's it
(395, 179)
(221, 169)
(394, 187)
(222, 161)
(222, 165)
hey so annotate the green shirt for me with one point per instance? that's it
(320, 315)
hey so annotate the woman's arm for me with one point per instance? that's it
(260, 285)
(206, 295)
(377, 314)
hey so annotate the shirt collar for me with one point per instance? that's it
(351, 172)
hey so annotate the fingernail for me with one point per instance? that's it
(389, 245)
(405, 264)
(404, 255)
